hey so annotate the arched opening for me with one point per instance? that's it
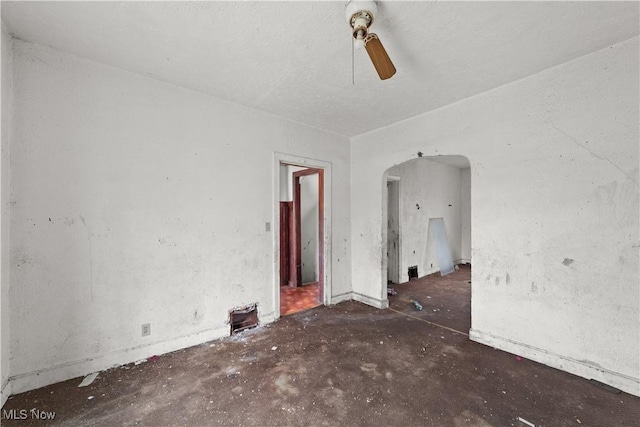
(427, 239)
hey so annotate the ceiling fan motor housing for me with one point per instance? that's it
(360, 16)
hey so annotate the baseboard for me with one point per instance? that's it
(577, 367)
(5, 392)
(428, 273)
(374, 302)
(336, 299)
(267, 318)
(43, 377)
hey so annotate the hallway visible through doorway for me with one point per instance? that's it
(301, 235)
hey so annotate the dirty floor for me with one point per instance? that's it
(344, 365)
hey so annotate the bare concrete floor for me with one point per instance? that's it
(345, 365)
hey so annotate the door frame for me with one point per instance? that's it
(286, 212)
(324, 266)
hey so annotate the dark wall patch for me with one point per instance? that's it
(413, 272)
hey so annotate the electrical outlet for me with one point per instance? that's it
(146, 329)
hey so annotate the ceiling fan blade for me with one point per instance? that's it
(379, 57)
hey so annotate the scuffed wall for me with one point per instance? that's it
(394, 267)
(554, 211)
(5, 197)
(142, 202)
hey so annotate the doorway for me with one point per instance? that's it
(301, 238)
(434, 205)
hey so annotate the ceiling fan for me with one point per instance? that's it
(360, 16)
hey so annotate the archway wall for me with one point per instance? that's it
(554, 205)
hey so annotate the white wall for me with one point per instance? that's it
(7, 100)
(554, 163)
(138, 201)
(465, 215)
(309, 216)
(428, 190)
(393, 231)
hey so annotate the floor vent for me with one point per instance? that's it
(243, 318)
(413, 272)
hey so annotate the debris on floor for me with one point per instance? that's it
(408, 378)
(518, 358)
(417, 305)
(137, 362)
(153, 358)
(391, 291)
(88, 379)
(529, 423)
(274, 348)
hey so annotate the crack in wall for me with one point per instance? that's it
(575, 142)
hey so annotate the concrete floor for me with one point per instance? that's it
(345, 365)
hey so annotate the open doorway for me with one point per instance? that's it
(434, 242)
(301, 238)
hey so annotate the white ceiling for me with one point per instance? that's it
(293, 59)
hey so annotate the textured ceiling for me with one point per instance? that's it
(293, 59)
